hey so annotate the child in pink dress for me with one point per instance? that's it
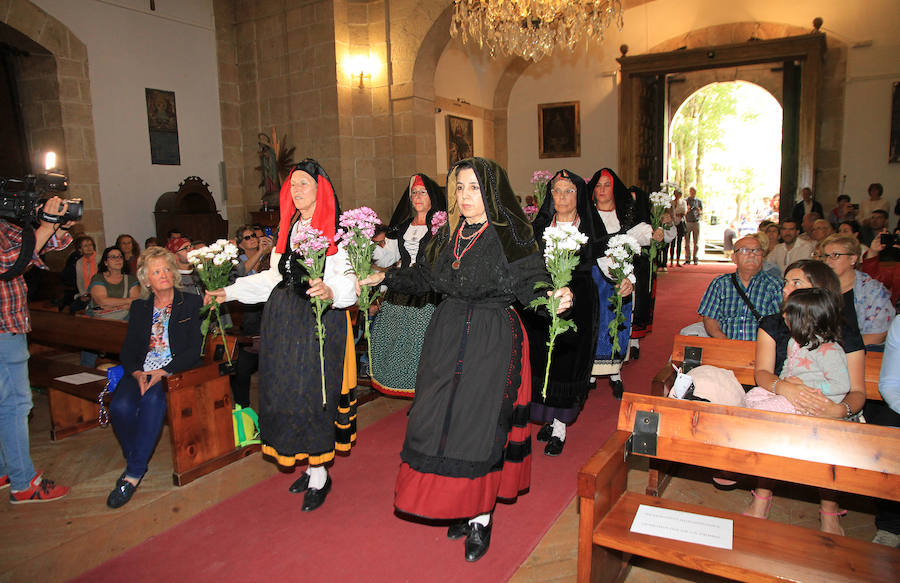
(814, 357)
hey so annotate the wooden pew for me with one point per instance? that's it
(738, 356)
(839, 455)
(199, 400)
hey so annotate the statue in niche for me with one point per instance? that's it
(275, 161)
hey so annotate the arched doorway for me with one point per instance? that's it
(724, 140)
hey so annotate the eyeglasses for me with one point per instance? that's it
(253, 236)
(834, 256)
(748, 251)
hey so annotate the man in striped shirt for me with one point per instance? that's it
(726, 314)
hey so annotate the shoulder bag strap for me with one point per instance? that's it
(744, 297)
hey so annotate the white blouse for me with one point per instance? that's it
(390, 254)
(256, 288)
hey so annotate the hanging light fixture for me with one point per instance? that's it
(531, 29)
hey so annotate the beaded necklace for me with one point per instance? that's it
(472, 238)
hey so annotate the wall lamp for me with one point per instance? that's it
(361, 67)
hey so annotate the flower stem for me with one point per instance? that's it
(222, 332)
(553, 305)
(368, 342)
(319, 333)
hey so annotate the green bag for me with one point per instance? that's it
(246, 426)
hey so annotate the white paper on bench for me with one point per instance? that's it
(81, 378)
(683, 526)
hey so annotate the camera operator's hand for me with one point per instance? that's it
(54, 206)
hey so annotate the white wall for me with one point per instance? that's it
(564, 77)
(470, 76)
(130, 49)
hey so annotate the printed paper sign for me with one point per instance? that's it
(684, 526)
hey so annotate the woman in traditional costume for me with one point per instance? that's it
(567, 203)
(645, 274)
(295, 424)
(619, 214)
(398, 330)
(467, 441)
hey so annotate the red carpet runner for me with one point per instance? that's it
(261, 535)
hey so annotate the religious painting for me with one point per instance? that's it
(894, 154)
(460, 139)
(559, 130)
(163, 124)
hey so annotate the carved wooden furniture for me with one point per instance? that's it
(191, 210)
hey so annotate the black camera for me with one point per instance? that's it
(22, 199)
(888, 239)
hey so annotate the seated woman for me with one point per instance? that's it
(772, 353)
(85, 269)
(888, 276)
(851, 227)
(163, 337)
(130, 249)
(113, 288)
(871, 300)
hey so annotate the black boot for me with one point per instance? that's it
(478, 541)
(458, 530)
(617, 388)
(315, 498)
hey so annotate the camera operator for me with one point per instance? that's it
(16, 467)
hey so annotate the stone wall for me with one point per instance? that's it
(56, 95)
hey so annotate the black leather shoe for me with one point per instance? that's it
(478, 541)
(301, 484)
(545, 433)
(315, 498)
(554, 447)
(122, 493)
(617, 388)
(635, 352)
(458, 530)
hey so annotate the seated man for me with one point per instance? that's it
(733, 304)
(877, 222)
(792, 248)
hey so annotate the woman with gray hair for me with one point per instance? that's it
(163, 338)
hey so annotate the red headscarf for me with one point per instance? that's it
(417, 181)
(323, 217)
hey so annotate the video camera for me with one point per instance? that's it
(21, 200)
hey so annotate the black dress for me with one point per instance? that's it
(469, 418)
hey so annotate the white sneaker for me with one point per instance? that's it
(887, 538)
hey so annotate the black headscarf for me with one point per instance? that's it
(589, 221)
(501, 207)
(404, 213)
(626, 208)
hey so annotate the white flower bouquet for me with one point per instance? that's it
(213, 264)
(660, 202)
(620, 251)
(311, 246)
(561, 246)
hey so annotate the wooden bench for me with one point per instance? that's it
(839, 455)
(199, 400)
(738, 356)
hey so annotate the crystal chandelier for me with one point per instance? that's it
(531, 29)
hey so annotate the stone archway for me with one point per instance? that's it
(56, 98)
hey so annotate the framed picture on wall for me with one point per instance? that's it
(162, 122)
(460, 139)
(894, 153)
(559, 130)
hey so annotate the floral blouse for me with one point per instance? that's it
(872, 300)
(159, 354)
